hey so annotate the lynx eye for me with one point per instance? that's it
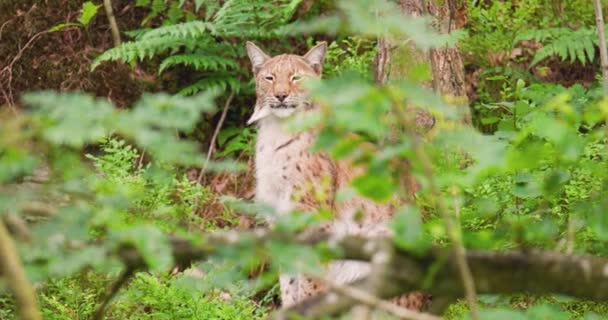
(269, 78)
(296, 78)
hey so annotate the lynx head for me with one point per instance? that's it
(278, 81)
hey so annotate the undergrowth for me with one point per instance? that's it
(166, 202)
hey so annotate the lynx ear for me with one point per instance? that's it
(257, 56)
(316, 55)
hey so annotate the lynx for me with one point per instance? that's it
(288, 174)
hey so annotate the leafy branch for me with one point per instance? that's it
(535, 272)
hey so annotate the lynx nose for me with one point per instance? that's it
(281, 97)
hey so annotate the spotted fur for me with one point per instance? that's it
(289, 176)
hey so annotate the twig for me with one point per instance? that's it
(453, 230)
(599, 19)
(214, 137)
(14, 274)
(9, 68)
(4, 25)
(20, 53)
(140, 162)
(372, 301)
(112, 20)
(120, 282)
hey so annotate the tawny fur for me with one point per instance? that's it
(291, 177)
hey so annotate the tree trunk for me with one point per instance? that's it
(446, 72)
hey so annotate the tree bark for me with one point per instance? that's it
(446, 72)
(447, 64)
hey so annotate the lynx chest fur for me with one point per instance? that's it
(288, 175)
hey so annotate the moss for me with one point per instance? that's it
(410, 63)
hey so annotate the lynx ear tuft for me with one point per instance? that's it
(257, 56)
(316, 55)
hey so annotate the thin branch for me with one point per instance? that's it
(535, 272)
(214, 137)
(140, 162)
(9, 69)
(599, 19)
(20, 53)
(112, 20)
(372, 301)
(451, 221)
(4, 25)
(452, 228)
(14, 275)
(124, 278)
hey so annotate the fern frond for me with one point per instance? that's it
(215, 83)
(199, 62)
(139, 50)
(253, 18)
(589, 47)
(137, 33)
(568, 44)
(192, 29)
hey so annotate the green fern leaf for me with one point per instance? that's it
(139, 50)
(192, 29)
(573, 50)
(199, 62)
(542, 54)
(568, 44)
(222, 83)
(589, 48)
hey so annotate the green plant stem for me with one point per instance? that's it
(119, 283)
(220, 123)
(107, 4)
(14, 274)
(451, 223)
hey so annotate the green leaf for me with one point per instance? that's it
(490, 120)
(153, 245)
(408, 230)
(88, 11)
(70, 119)
(526, 186)
(376, 187)
(75, 261)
